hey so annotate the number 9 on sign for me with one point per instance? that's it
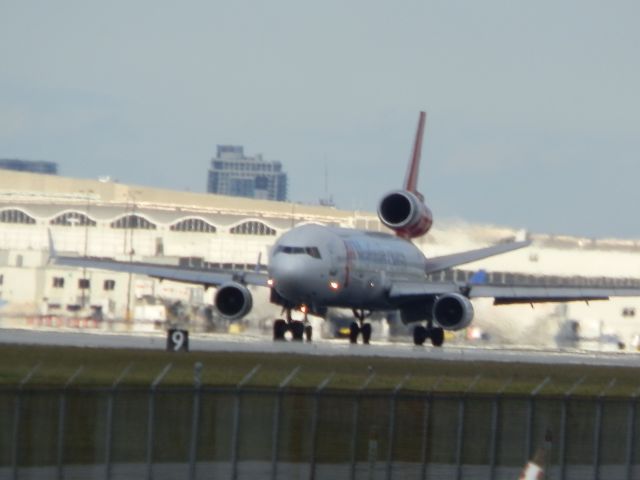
(177, 340)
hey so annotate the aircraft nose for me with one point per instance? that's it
(288, 275)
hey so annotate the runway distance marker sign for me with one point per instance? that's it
(177, 340)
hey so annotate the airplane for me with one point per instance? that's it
(314, 267)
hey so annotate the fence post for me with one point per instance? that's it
(392, 426)
(276, 422)
(235, 436)
(314, 424)
(354, 424)
(109, 427)
(151, 418)
(16, 420)
(495, 416)
(425, 427)
(528, 450)
(563, 428)
(598, 429)
(460, 436)
(195, 419)
(62, 410)
(631, 431)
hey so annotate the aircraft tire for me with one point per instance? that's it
(279, 329)
(419, 335)
(308, 332)
(354, 331)
(297, 330)
(366, 333)
(437, 337)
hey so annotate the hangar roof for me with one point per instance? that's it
(31, 188)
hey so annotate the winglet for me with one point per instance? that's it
(411, 180)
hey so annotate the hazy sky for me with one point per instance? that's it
(533, 107)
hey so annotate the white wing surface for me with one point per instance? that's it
(444, 262)
(201, 276)
(513, 294)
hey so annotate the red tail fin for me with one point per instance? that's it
(411, 180)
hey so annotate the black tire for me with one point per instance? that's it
(354, 331)
(366, 333)
(437, 337)
(419, 335)
(308, 332)
(297, 331)
(279, 329)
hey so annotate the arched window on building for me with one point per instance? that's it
(252, 227)
(14, 215)
(133, 221)
(193, 225)
(73, 219)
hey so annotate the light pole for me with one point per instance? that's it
(131, 219)
(86, 222)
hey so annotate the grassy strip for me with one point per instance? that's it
(101, 367)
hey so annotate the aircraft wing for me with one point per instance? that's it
(436, 264)
(509, 294)
(414, 290)
(514, 294)
(201, 276)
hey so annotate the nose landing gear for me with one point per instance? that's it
(300, 329)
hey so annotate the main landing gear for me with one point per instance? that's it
(359, 327)
(300, 329)
(421, 333)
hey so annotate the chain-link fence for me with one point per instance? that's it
(206, 432)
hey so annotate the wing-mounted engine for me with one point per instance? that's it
(233, 300)
(405, 213)
(453, 311)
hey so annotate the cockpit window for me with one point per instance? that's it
(311, 251)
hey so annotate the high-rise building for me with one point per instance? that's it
(232, 173)
(29, 166)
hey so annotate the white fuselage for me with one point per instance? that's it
(322, 266)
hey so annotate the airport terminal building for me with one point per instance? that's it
(109, 219)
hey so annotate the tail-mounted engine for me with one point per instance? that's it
(233, 300)
(404, 210)
(405, 213)
(453, 311)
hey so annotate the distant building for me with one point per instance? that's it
(232, 173)
(29, 166)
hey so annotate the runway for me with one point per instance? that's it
(218, 342)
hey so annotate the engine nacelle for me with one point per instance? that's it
(404, 212)
(233, 300)
(453, 311)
